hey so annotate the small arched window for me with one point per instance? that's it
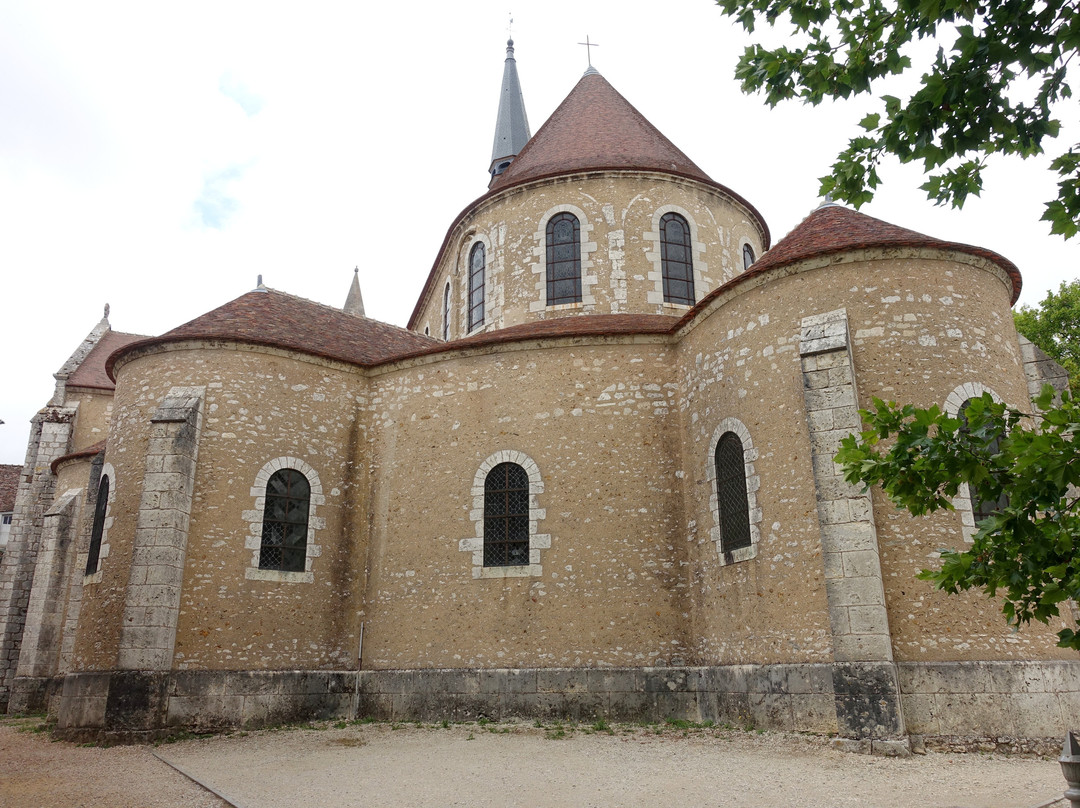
(477, 261)
(676, 262)
(731, 499)
(506, 516)
(983, 508)
(563, 259)
(285, 522)
(446, 313)
(747, 256)
(98, 530)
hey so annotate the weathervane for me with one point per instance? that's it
(509, 25)
(588, 48)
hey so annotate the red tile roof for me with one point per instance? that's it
(834, 229)
(587, 325)
(89, 451)
(9, 487)
(91, 373)
(279, 320)
(594, 129)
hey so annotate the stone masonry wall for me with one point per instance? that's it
(49, 439)
(155, 582)
(258, 407)
(597, 423)
(618, 215)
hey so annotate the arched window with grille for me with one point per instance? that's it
(676, 260)
(731, 498)
(747, 256)
(285, 522)
(506, 516)
(563, 259)
(477, 264)
(97, 531)
(982, 508)
(446, 313)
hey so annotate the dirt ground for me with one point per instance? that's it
(505, 765)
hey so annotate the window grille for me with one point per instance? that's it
(731, 496)
(93, 557)
(285, 522)
(676, 261)
(747, 256)
(983, 508)
(477, 261)
(506, 516)
(563, 259)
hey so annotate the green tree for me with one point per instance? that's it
(1028, 552)
(992, 89)
(1054, 325)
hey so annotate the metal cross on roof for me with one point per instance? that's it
(588, 48)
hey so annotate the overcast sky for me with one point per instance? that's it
(159, 157)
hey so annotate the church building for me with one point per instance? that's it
(593, 477)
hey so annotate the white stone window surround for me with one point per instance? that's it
(753, 483)
(697, 252)
(537, 541)
(489, 259)
(743, 244)
(962, 501)
(539, 266)
(254, 518)
(103, 551)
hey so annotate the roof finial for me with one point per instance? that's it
(259, 285)
(828, 202)
(509, 32)
(105, 316)
(588, 50)
(354, 301)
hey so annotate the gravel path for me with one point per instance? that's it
(510, 765)
(36, 772)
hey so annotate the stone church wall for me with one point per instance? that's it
(258, 409)
(618, 216)
(599, 422)
(741, 373)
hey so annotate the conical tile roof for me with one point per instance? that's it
(832, 229)
(275, 319)
(596, 128)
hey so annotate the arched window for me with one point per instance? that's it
(446, 313)
(563, 259)
(731, 499)
(747, 256)
(676, 262)
(477, 261)
(285, 522)
(506, 516)
(983, 508)
(96, 532)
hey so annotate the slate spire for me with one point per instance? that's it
(512, 126)
(354, 303)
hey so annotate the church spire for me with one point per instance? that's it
(512, 126)
(354, 303)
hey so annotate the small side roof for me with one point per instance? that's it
(275, 319)
(91, 372)
(833, 228)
